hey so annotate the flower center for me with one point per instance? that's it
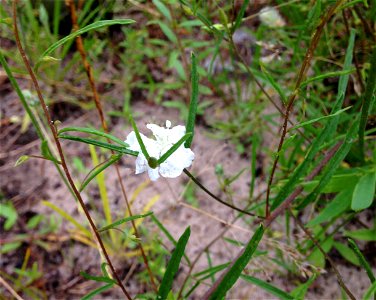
(153, 162)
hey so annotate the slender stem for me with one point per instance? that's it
(285, 204)
(195, 180)
(333, 265)
(303, 70)
(10, 289)
(99, 107)
(60, 150)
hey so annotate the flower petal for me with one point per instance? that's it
(174, 165)
(153, 174)
(141, 164)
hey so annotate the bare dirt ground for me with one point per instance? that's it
(37, 180)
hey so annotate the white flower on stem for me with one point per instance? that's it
(165, 138)
(271, 17)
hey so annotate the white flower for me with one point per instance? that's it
(164, 139)
(271, 17)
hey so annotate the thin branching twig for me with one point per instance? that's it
(60, 150)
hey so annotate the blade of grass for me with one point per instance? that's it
(333, 164)
(124, 220)
(93, 26)
(105, 145)
(267, 287)
(371, 290)
(225, 282)
(97, 278)
(98, 169)
(173, 266)
(174, 147)
(139, 139)
(97, 291)
(95, 132)
(194, 101)
(362, 260)
(240, 16)
(319, 119)
(326, 75)
(368, 101)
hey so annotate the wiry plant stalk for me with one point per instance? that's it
(301, 75)
(60, 150)
(99, 108)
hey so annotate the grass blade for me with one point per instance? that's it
(267, 287)
(368, 101)
(174, 147)
(95, 132)
(194, 101)
(371, 290)
(173, 265)
(362, 260)
(97, 278)
(237, 268)
(240, 16)
(93, 26)
(116, 148)
(98, 169)
(139, 139)
(124, 220)
(97, 291)
(333, 164)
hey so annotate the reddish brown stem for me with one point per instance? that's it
(60, 150)
(303, 70)
(99, 107)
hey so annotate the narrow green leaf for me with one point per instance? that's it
(139, 139)
(319, 119)
(97, 278)
(174, 147)
(173, 266)
(368, 235)
(95, 132)
(240, 16)
(97, 291)
(267, 287)
(163, 9)
(326, 75)
(371, 290)
(121, 221)
(9, 247)
(364, 263)
(369, 99)
(364, 192)
(105, 145)
(168, 235)
(8, 211)
(300, 291)
(274, 84)
(335, 208)
(194, 101)
(333, 164)
(98, 169)
(346, 253)
(237, 268)
(168, 32)
(92, 26)
(21, 160)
